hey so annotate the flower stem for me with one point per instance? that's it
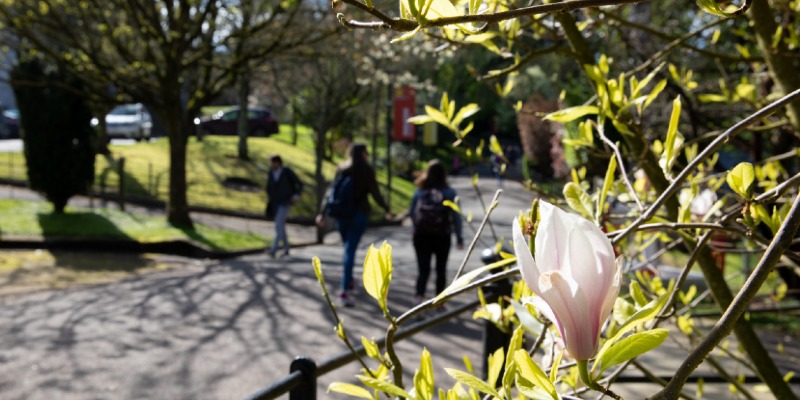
(583, 368)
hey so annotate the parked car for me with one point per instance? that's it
(128, 121)
(9, 123)
(260, 122)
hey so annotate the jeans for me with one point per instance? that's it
(351, 231)
(426, 246)
(281, 212)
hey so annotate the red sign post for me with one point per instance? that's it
(404, 108)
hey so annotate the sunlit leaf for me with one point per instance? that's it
(741, 179)
(472, 381)
(350, 390)
(631, 347)
(531, 372)
(578, 200)
(571, 114)
(383, 386)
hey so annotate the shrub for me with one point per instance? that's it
(58, 138)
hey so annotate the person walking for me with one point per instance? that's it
(433, 225)
(283, 190)
(347, 202)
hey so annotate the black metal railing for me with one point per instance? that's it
(301, 383)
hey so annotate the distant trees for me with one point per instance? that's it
(59, 141)
(173, 56)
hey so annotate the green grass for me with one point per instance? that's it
(35, 219)
(209, 163)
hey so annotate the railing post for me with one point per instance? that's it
(308, 389)
(493, 337)
(121, 176)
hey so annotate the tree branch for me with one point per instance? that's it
(725, 325)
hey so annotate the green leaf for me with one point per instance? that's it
(531, 372)
(371, 348)
(636, 293)
(378, 272)
(472, 381)
(350, 389)
(526, 319)
(578, 200)
(623, 310)
(452, 205)
(438, 116)
(655, 92)
(383, 386)
(645, 314)
(407, 35)
(571, 114)
(607, 182)
(494, 145)
(420, 119)
(631, 347)
(465, 112)
(423, 378)
(672, 131)
(465, 279)
(712, 98)
(741, 179)
(495, 365)
(318, 270)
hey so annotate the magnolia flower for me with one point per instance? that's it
(573, 274)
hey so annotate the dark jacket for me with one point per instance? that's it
(280, 192)
(449, 194)
(364, 185)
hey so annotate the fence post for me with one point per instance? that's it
(121, 175)
(493, 337)
(308, 389)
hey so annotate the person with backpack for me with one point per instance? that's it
(283, 190)
(347, 203)
(433, 225)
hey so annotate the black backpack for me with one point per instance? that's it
(341, 201)
(430, 215)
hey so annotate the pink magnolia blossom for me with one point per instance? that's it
(574, 276)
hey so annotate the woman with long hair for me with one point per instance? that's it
(356, 177)
(434, 223)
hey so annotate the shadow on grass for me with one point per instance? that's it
(196, 237)
(81, 225)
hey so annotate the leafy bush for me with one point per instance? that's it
(59, 141)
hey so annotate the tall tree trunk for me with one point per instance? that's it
(781, 67)
(764, 364)
(244, 92)
(177, 205)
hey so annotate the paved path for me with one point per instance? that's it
(223, 329)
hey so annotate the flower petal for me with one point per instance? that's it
(611, 295)
(528, 267)
(571, 310)
(551, 238)
(589, 266)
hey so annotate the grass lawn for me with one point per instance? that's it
(31, 218)
(210, 163)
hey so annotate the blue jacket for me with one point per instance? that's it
(449, 194)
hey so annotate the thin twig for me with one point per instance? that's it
(405, 25)
(475, 238)
(723, 327)
(712, 147)
(621, 163)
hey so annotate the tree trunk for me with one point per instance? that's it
(764, 365)
(244, 91)
(781, 67)
(177, 205)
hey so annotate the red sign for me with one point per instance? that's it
(404, 108)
